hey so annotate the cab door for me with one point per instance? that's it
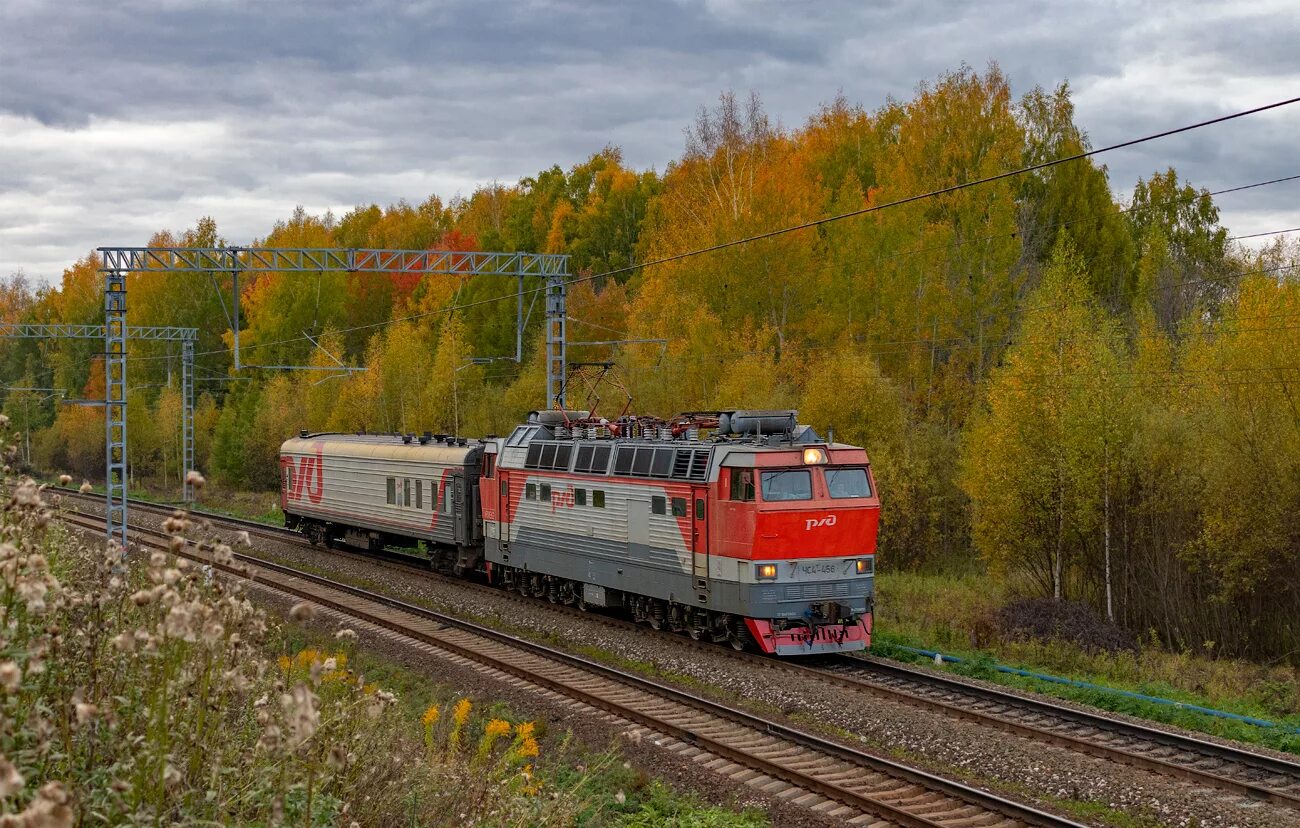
(700, 541)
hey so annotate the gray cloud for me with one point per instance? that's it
(117, 120)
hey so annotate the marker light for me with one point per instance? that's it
(864, 566)
(765, 572)
(814, 456)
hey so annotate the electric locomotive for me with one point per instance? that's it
(740, 527)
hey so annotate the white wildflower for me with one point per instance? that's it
(302, 612)
(86, 488)
(11, 781)
(65, 479)
(244, 538)
(11, 677)
(195, 479)
(346, 635)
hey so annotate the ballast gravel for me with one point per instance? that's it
(1017, 767)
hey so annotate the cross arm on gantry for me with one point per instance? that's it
(117, 262)
(186, 336)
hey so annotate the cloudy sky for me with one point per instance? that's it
(118, 119)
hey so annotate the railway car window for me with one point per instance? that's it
(848, 483)
(742, 484)
(548, 456)
(288, 478)
(406, 492)
(534, 455)
(598, 498)
(600, 460)
(446, 497)
(663, 463)
(546, 492)
(583, 463)
(793, 484)
(658, 505)
(530, 491)
(679, 507)
(419, 494)
(562, 454)
(641, 466)
(579, 497)
(623, 460)
(392, 490)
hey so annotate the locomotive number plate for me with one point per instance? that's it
(816, 568)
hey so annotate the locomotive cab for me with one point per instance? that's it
(800, 526)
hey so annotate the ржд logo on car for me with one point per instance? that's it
(812, 523)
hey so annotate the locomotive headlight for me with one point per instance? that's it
(863, 565)
(765, 572)
(814, 456)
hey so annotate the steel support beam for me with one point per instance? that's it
(115, 406)
(556, 360)
(314, 260)
(186, 336)
(116, 262)
(187, 419)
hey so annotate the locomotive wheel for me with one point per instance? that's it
(695, 633)
(655, 623)
(582, 605)
(737, 643)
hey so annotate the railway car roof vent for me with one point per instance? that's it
(302, 433)
(424, 438)
(406, 438)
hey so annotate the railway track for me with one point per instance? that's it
(1237, 770)
(841, 781)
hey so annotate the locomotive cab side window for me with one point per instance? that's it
(742, 484)
(679, 507)
(658, 505)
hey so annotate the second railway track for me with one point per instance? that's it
(839, 780)
(1249, 774)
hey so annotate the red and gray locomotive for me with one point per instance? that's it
(738, 526)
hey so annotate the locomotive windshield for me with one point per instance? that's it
(848, 483)
(793, 484)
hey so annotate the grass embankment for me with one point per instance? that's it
(957, 615)
(153, 693)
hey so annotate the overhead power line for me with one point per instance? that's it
(822, 221)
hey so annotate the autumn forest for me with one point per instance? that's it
(1087, 387)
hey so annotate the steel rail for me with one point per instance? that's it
(897, 792)
(1256, 776)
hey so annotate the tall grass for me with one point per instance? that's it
(141, 691)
